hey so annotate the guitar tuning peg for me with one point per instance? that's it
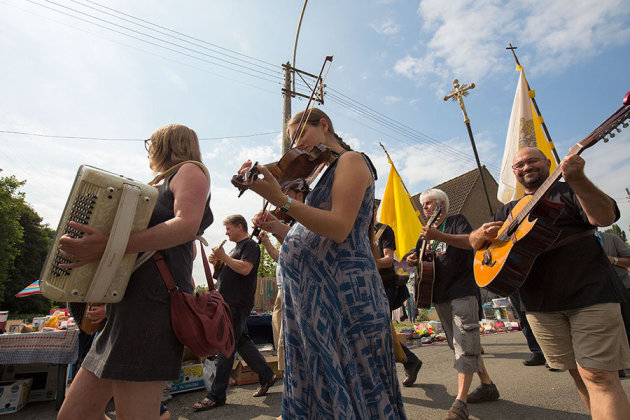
(618, 130)
(606, 139)
(625, 125)
(612, 135)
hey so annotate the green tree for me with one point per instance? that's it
(267, 266)
(24, 243)
(11, 232)
(615, 229)
(27, 265)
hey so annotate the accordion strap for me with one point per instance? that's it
(116, 244)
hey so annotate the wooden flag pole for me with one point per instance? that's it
(544, 126)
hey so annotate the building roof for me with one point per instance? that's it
(466, 195)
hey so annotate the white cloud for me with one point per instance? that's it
(387, 26)
(389, 100)
(468, 37)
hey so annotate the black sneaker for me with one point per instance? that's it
(483, 393)
(536, 359)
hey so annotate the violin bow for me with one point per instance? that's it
(302, 124)
(307, 112)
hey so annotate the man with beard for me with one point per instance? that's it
(571, 293)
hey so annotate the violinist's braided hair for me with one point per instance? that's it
(314, 118)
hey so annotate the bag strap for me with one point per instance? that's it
(379, 232)
(175, 168)
(158, 258)
(206, 265)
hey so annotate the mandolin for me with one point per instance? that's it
(425, 270)
(503, 264)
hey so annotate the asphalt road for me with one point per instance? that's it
(526, 392)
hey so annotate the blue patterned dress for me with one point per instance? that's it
(337, 334)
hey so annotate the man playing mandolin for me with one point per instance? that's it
(455, 298)
(571, 293)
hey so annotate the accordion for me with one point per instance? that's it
(111, 203)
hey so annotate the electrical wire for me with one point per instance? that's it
(259, 76)
(333, 95)
(129, 139)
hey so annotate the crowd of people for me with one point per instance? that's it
(338, 288)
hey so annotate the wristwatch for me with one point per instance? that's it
(286, 206)
(615, 260)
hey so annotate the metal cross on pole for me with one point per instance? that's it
(457, 94)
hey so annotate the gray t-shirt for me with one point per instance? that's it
(614, 246)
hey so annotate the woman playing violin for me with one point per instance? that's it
(339, 359)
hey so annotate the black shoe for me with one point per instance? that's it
(552, 369)
(535, 359)
(622, 373)
(412, 374)
(483, 393)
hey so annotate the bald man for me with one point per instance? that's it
(572, 293)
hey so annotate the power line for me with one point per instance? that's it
(338, 97)
(146, 51)
(259, 76)
(130, 139)
(271, 67)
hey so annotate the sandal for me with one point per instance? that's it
(458, 411)
(264, 388)
(207, 404)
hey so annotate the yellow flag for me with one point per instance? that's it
(524, 130)
(398, 212)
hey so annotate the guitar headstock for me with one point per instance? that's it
(435, 215)
(608, 129)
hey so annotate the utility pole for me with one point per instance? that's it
(291, 93)
(288, 94)
(457, 95)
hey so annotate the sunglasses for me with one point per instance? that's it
(147, 144)
(520, 165)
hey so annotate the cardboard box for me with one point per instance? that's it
(402, 339)
(14, 395)
(190, 379)
(244, 375)
(43, 375)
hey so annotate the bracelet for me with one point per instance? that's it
(286, 206)
(615, 260)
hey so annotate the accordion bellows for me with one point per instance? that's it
(114, 204)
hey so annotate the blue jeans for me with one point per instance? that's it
(533, 345)
(248, 352)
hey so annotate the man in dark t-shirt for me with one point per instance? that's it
(455, 297)
(571, 293)
(396, 293)
(237, 284)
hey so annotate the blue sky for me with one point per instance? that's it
(393, 62)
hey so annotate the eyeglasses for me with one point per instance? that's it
(147, 144)
(520, 165)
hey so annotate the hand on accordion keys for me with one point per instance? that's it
(84, 249)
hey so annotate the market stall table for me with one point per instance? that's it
(58, 347)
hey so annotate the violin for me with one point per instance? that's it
(218, 264)
(297, 164)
